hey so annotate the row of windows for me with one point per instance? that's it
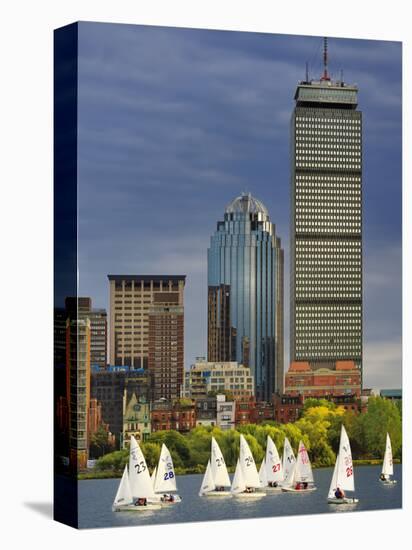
(333, 294)
(307, 262)
(320, 244)
(331, 179)
(323, 121)
(325, 308)
(334, 165)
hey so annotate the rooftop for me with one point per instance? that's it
(146, 277)
(246, 204)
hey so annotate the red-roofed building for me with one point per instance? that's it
(339, 379)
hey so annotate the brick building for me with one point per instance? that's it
(249, 411)
(179, 415)
(342, 378)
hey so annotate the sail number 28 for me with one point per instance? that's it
(349, 471)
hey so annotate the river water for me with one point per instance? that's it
(96, 497)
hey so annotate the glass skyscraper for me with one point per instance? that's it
(326, 224)
(245, 294)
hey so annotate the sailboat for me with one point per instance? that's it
(288, 462)
(153, 476)
(300, 478)
(387, 466)
(270, 472)
(123, 496)
(246, 479)
(165, 478)
(342, 477)
(216, 477)
(135, 492)
(262, 474)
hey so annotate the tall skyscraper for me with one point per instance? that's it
(166, 343)
(245, 294)
(131, 299)
(326, 223)
(78, 389)
(80, 307)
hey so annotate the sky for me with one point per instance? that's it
(174, 123)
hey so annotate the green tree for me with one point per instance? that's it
(99, 444)
(381, 417)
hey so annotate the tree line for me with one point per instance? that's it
(318, 427)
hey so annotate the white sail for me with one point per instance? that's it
(273, 462)
(208, 483)
(153, 476)
(333, 485)
(303, 472)
(165, 481)
(238, 483)
(124, 494)
(262, 474)
(247, 463)
(345, 479)
(218, 466)
(387, 466)
(139, 477)
(288, 465)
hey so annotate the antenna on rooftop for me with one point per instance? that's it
(307, 72)
(325, 60)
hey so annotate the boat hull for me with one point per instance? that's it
(216, 494)
(133, 508)
(292, 490)
(271, 489)
(257, 494)
(176, 500)
(343, 500)
(388, 481)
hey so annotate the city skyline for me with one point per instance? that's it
(226, 105)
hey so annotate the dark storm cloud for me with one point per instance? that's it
(173, 123)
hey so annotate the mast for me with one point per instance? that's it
(325, 60)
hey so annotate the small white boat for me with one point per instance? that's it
(300, 476)
(288, 463)
(165, 479)
(153, 476)
(216, 477)
(246, 479)
(342, 477)
(239, 489)
(387, 466)
(135, 492)
(270, 473)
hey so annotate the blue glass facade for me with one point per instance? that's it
(245, 294)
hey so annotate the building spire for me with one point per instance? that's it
(325, 60)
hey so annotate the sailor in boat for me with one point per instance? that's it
(141, 502)
(167, 498)
(273, 484)
(384, 477)
(249, 490)
(301, 485)
(339, 493)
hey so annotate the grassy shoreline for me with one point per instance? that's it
(110, 474)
